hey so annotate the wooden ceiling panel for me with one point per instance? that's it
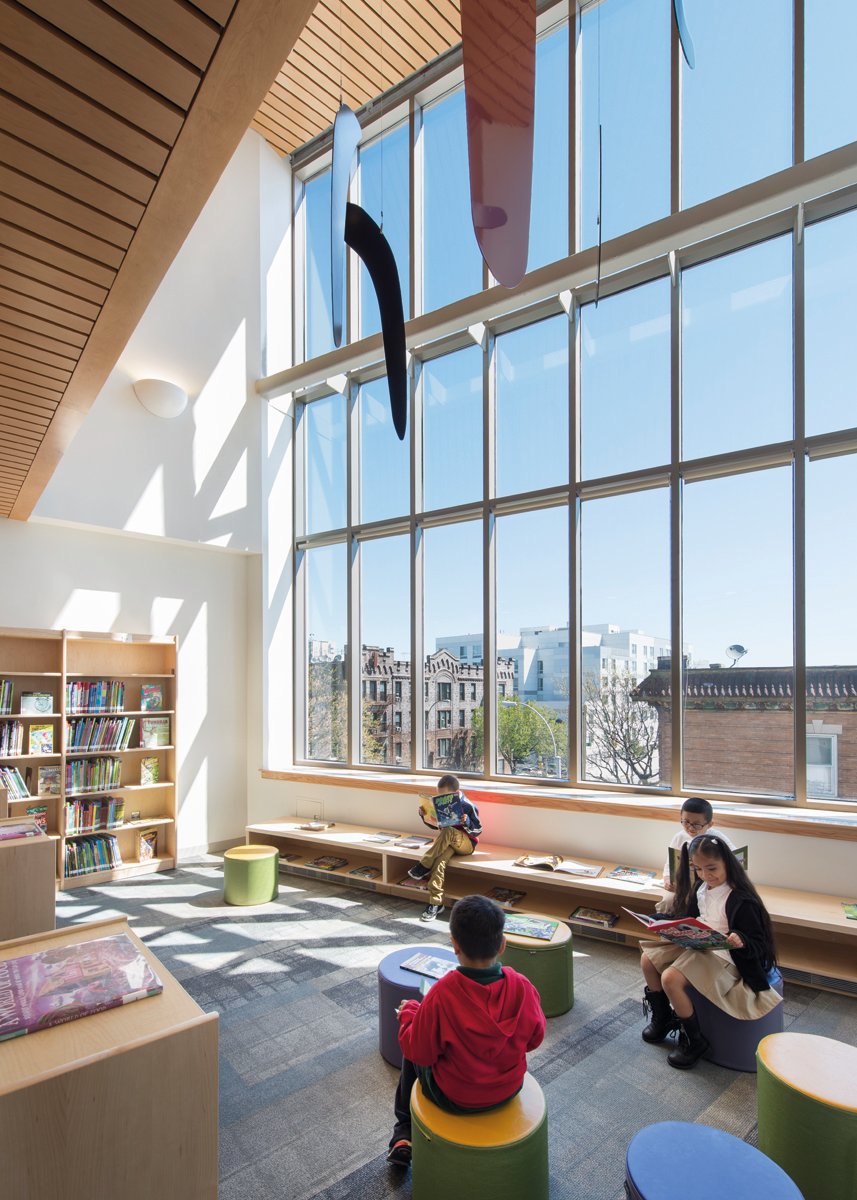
(22, 302)
(97, 225)
(187, 32)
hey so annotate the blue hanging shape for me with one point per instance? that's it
(368, 242)
(684, 34)
(346, 136)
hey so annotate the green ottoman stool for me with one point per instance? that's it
(548, 965)
(250, 874)
(497, 1155)
(806, 1094)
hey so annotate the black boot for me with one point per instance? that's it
(663, 1019)
(691, 1044)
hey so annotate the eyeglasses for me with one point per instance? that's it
(696, 826)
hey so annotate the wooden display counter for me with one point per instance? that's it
(816, 944)
(28, 870)
(122, 1103)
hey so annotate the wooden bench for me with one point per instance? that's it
(816, 943)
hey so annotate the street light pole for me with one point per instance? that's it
(526, 704)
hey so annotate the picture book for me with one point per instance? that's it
(327, 862)
(505, 896)
(688, 932)
(147, 845)
(381, 837)
(419, 885)
(555, 862)
(39, 814)
(154, 731)
(533, 927)
(151, 697)
(37, 702)
(41, 739)
(150, 770)
(316, 826)
(414, 842)
(50, 987)
(9, 830)
(673, 857)
(427, 964)
(632, 875)
(594, 916)
(365, 872)
(50, 781)
(850, 909)
(445, 810)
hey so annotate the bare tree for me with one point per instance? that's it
(621, 732)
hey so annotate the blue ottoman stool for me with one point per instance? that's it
(396, 985)
(674, 1159)
(732, 1042)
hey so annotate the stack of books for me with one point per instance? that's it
(99, 733)
(95, 695)
(10, 779)
(89, 816)
(90, 854)
(92, 774)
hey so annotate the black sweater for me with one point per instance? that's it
(744, 914)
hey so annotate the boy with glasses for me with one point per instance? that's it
(697, 816)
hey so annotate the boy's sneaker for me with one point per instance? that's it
(432, 912)
(418, 871)
(400, 1154)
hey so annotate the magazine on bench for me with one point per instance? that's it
(555, 862)
(688, 932)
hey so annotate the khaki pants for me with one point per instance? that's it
(446, 845)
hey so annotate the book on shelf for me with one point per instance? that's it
(37, 702)
(327, 862)
(365, 872)
(594, 916)
(688, 932)
(11, 738)
(87, 855)
(417, 885)
(17, 828)
(99, 733)
(429, 964)
(446, 810)
(555, 862)
(414, 842)
(151, 697)
(150, 770)
(95, 696)
(92, 774)
(154, 731)
(147, 845)
(317, 826)
(285, 859)
(673, 857)
(41, 739)
(531, 927)
(381, 837)
(39, 814)
(11, 780)
(94, 815)
(50, 987)
(632, 875)
(7, 695)
(50, 780)
(505, 896)
(849, 907)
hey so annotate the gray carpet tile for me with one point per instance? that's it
(305, 1097)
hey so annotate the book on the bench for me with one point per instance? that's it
(316, 826)
(850, 909)
(428, 964)
(688, 932)
(327, 862)
(532, 927)
(414, 841)
(381, 837)
(365, 872)
(419, 885)
(555, 862)
(673, 857)
(632, 875)
(593, 916)
(505, 896)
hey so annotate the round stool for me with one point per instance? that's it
(674, 1159)
(396, 985)
(732, 1043)
(806, 1097)
(250, 874)
(549, 966)
(497, 1155)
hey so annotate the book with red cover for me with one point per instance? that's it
(53, 986)
(689, 932)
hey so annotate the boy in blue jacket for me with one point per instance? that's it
(451, 840)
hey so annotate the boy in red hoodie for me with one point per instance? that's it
(468, 1040)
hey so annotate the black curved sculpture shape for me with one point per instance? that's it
(684, 34)
(366, 240)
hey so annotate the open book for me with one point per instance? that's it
(429, 964)
(532, 927)
(673, 858)
(555, 862)
(446, 810)
(689, 932)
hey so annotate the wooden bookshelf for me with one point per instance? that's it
(49, 662)
(121, 1103)
(816, 943)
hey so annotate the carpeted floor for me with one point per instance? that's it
(305, 1097)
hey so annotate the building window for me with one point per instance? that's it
(397, 721)
(461, 692)
(444, 691)
(397, 689)
(444, 718)
(821, 765)
(462, 652)
(444, 746)
(382, 690)
(473, 691)
(373, 689)
(462, 718)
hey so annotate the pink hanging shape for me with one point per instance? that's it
(499, 45)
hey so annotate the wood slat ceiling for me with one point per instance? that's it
(368, 45)
(117, 117)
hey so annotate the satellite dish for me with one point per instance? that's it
(735, 652)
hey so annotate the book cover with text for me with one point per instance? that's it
(151, 697)
(41, 739)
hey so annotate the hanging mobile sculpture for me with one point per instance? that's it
(684, 34)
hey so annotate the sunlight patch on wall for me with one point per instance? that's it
(89, 609)
(233, 497)
(149, 513)
(218, 407)
(164, 614)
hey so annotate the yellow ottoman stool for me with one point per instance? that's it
(496, 1155)
(250, 874)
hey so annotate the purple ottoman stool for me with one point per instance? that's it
(396, 985)
(732, 1042)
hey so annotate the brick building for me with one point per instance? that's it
(739, 728)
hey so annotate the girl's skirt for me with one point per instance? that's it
(714, 976)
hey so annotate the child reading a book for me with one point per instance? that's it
(468, 1039)
(459, 838)
(696, 817)
(711, 884)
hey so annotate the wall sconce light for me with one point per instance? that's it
(161, 398)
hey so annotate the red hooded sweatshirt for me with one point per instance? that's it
(474, 1036)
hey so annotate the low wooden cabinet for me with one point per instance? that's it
(122, 1103)
(27, 885)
